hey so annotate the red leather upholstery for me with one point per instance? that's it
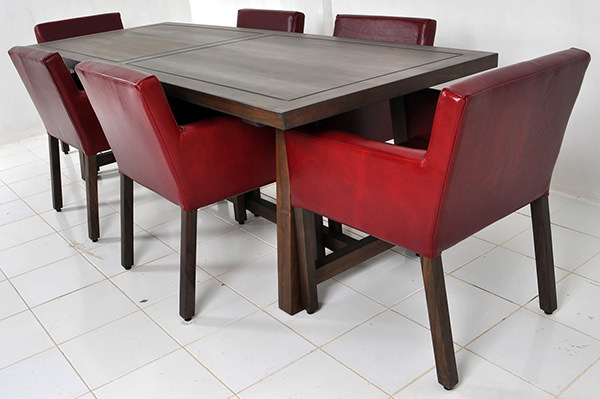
(386, 29)
(285, 21)
(66, 28)
(65, 111)
(375, 121)
(193, 165)
(494, 143)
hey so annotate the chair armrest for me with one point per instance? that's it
(352, 142)
(222, 156)
(390, 191)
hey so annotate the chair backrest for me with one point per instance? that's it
(285, 21)
(497, 136)
(66, 28)
(65, 110)
(139, 124)
(387, 29)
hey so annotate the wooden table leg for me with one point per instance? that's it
(287, 254)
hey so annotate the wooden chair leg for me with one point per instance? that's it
(65, 147)
(544, 259)
(439, 321)
(126, 222)
(306, 236)
(57, 202)
(187, 273)
(239, 208)
(91, 189)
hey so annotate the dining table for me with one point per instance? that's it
(282, 80)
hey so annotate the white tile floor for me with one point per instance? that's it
(74, 324)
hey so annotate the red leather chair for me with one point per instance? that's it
(66, 28)
(67, 116)
(285, 21)
(494, 142)
(386, 29)
(192, 166)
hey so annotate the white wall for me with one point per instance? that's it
(516, 29)
(18, 117)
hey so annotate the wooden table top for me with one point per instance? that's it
(278, 79)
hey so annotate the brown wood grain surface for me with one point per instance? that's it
(278, 79)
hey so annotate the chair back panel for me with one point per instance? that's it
(66, 28)
(387, 29)
(499, 133)
(284, 21)
(65, 110)
(139, 125)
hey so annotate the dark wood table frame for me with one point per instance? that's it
(282, 80)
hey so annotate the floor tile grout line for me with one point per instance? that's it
(578, 377)
(369, 380)
(234, 289)
(185, 348)
(524, 307)
(136, 369)
(493, 326)
(56, 345)
(255, 236)
(491, 292)
(142, 311)
(208, 370)
(150, 232)
(87, 254)
(364, 294)
(575, 273)
(321, 350)
(481, 255)
(564, 268)
(277, 371)
(51, 263)
(254, 311)
(508, 371)
(586, 262)
(549, 317)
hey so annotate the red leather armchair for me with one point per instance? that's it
(285, 21)
(66, 28)
(494, 142)
(192, 166)
(67, 116)
(386, 29)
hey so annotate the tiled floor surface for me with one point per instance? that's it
(74, 324)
